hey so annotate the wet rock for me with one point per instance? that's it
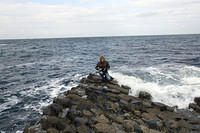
(195, 107)
(116, 87)
(144, 95)
(105, 107)
(197, 100)
(161, 106)
(52, 109)
(126, 87)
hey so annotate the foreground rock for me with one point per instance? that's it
(196, 105)
(105, 107)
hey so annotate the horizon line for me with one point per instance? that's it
(99, 36)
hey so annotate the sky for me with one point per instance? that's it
(83, 18)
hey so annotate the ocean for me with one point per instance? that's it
(34, 71)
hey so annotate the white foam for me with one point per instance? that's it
(52, 89)
(174, 85)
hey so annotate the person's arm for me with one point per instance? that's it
(98, 67)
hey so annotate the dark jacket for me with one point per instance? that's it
(103, 65)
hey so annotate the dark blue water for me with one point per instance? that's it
(34, 71)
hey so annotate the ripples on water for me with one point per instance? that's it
(33, 72)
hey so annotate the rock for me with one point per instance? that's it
(64, 112)
(126, 87)
(123, 102)
(104, 128)
(118, 128)
(144, 95)
(197, 100)
(195, 107)
(101, 119)
(105, 107)
(79, 121)
(34, 129)
(116, 87)
(162, 107)
(154, 123)
(53, 122)
(52, 130)
(115, 118)
(52, 109)
(70, 129)
(84, 129)
(129, 125)
(137, 129)
(87, 113)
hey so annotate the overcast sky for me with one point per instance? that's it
(75, 18)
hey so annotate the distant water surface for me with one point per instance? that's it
(34, 71)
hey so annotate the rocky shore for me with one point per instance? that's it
(105, 107)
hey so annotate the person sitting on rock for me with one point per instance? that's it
(103, 66)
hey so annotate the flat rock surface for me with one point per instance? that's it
(105, 107)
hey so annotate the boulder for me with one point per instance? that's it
(53, 122)
(144, 95)
(52, 109)
(195, 107)
(197, 100)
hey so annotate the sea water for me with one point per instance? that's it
(34, 71)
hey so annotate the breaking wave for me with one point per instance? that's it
(172, 84)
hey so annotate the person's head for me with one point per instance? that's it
(102, 59)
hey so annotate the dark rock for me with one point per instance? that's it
(52, 109)
(195, 107)
(197, 100)
(144, 95)
(116, 87)
(118, 128)
(123, 102)
(129, 125)
(52, 122)
(105, 107)
(126, 87)
(70, 129)
(153, 123)
(52, 130)
(137, 129)
(78, 121)
(161, 106)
